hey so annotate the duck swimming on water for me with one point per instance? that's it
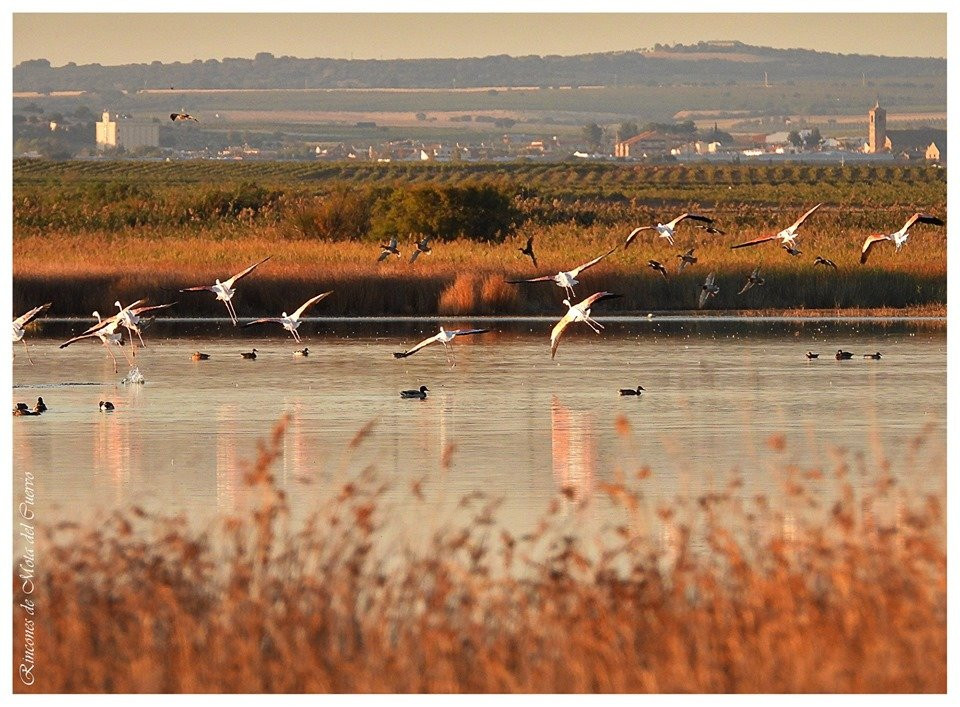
(106, 406)
(420, 394)
(843, 355)
(631, 391)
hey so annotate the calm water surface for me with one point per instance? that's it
(522, 426)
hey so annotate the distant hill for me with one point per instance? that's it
(701, 63)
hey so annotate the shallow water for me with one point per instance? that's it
(522, 426)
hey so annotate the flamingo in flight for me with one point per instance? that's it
(21, 322)
(444, 337)
(130, 317)
(225, 290)
(579, 312)
(788, 236)
(107, 330)
(291, 322)
(666, 230)
(566, 278)
(899, 238)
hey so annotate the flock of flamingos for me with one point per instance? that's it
(109, 329)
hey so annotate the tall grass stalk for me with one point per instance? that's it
(718, 593)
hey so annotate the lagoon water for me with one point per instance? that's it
(520, 426)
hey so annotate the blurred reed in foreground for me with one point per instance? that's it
(747, 595)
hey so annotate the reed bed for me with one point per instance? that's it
(722, 593)
(75, 270)
(147, 229)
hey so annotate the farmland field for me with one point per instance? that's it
(572, 107)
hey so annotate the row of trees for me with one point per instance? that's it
(594, 134)
(477, 211)
(482, 212)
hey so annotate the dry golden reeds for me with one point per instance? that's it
(464, 277)
(718, 593)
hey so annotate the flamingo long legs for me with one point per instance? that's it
(231, 312)
(28, 351)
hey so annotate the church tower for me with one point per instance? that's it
(877, 137)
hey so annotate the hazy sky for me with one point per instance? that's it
(128, 38)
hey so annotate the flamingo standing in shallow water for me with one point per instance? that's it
(225, 290)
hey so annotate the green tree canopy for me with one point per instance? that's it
(593, 135)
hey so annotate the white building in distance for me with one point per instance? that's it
(126, 133)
